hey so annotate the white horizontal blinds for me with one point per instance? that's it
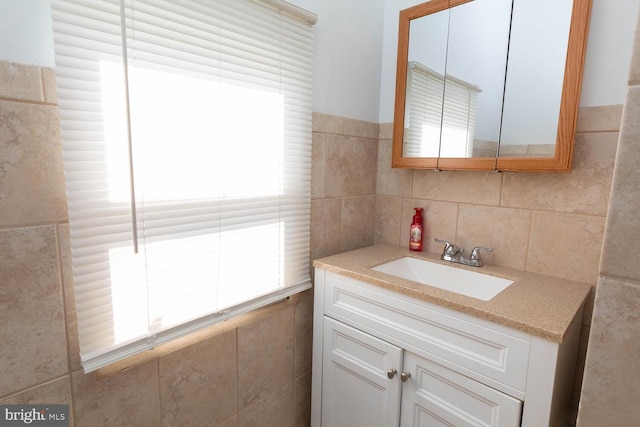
(220, 101)
(422, 126)
(458, 118)
(439, 110)
(87, 36)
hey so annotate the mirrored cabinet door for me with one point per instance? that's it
(534, 81)
(425, 92)
(476, 66)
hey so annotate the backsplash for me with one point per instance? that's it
(549, 223)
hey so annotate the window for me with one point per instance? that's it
(186, 130)
(438, 109)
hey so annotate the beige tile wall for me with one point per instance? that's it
(343, 176)
(612, 372)
(252, 372)
(547, 223)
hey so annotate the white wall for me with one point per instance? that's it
(348, 55)
(611, 34)
(356, 44)
(25, 32)
(348, 43)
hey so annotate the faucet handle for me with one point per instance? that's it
(449, 250)
(475, 253)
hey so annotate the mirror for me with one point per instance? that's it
(482, 85)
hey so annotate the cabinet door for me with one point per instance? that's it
(436, 396)
(356, 386)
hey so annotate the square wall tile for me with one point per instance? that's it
(585, 190)
(358, 222)
(31, 171)
(566, 246)
(127, 398)
(503, 229)
(265, 357)
(20, 81)
(440, 220)
(34, 348)
(351, 166)
(198, 384)
(482, 188)
(610, 385)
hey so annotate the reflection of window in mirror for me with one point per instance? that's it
(428, 120)
(459, 118)
(423, 112)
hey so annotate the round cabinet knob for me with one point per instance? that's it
(404, 376)
(391, 373)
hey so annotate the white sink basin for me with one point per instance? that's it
(469, 283)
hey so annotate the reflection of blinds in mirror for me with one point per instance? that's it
(437, 112)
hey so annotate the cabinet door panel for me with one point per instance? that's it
(356, 388)
(477, 348)
(437, 396)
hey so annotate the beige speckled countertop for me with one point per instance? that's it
(540, 305)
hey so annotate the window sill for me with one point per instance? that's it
(198, 336)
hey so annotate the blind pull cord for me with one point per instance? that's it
(132, 190)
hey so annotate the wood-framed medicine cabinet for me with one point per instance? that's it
(489, 84)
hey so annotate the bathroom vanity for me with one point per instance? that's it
(389, 351)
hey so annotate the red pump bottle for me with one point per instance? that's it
(415, 235)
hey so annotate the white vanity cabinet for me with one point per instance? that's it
(384, 359)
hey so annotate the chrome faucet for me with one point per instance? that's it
(453, 253)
